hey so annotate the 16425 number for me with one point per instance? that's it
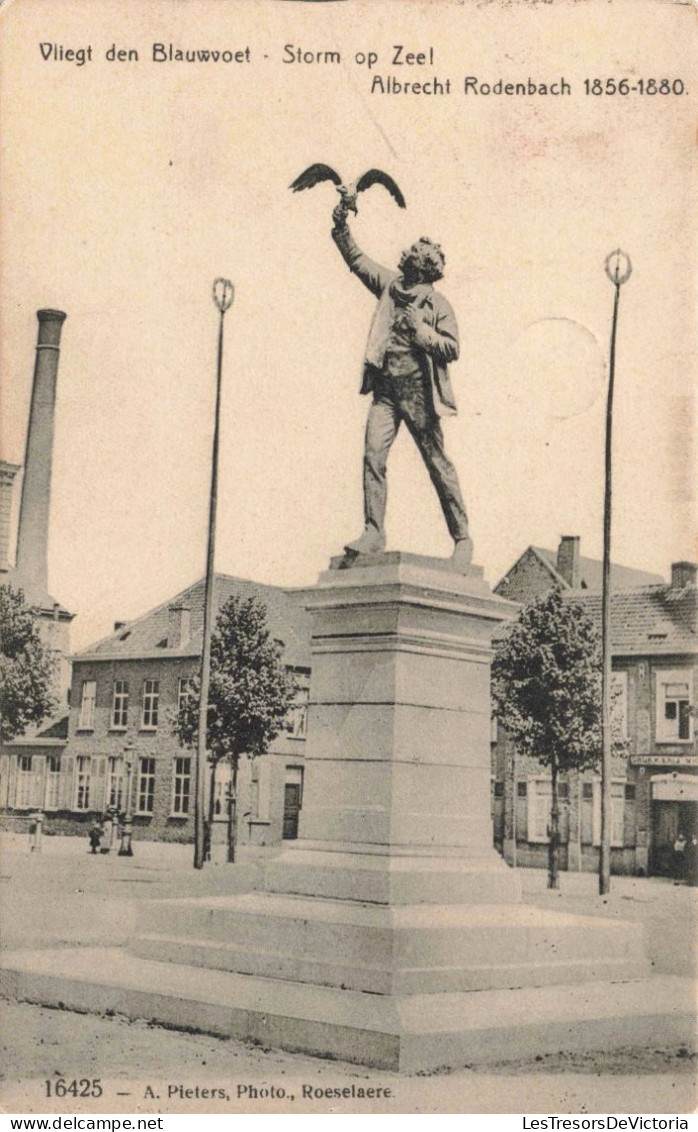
(85, 1087)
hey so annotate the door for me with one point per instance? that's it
(665, 830)
(292, 806)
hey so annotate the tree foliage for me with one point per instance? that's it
(546, 684)
(250, 693)
(26, 667)
(250, 696)
(546, 692)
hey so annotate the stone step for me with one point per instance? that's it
(375, 980)
(403, 949)
(386, 879)
(408, 1033)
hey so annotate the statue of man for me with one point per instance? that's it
(412, 339)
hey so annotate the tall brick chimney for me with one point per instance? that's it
(683, 574)
(568, 560)
(32, 540)
(7, 480)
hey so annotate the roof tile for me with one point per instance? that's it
(287, 621)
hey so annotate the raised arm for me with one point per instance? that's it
(371, 274)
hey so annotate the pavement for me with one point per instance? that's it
(65, 897)
(146, 1069)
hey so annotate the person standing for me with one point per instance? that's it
(412, 340)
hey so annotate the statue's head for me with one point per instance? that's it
(424, 262)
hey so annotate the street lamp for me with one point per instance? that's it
(223, 295)
(618, 269)
(126, 848)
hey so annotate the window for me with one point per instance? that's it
(260, 801)
(146, 786)
(82, 782)
(521, 789)
(119, 715)
(617, 811)
(184, 692)
(499, 789)
(151, 701)
(53, 777)
(540, 796)
(299, 714)
(181, 786)
(25, 782)
(630, 792)
(674, 695)
(540, 804)
(115, 782)
(87, 705)
(619, 706)
(588, 791)
(221, 787)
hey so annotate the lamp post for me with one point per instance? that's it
(618, 269)
(126, 847)
(223, 295)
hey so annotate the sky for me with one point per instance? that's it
(127, 188)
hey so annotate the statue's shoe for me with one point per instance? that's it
(462, 555)
(370, 541)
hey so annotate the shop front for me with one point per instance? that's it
(674, 823)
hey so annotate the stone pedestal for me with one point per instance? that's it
(396, 807)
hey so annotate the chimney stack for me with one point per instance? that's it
(7, 478)
(683, 574)
(568, 560)
(32, 540)
(178, 626)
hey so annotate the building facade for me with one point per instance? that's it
(120, 752)
(654, 789)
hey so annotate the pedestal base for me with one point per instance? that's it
(374, 876)
(417, 1033)
(389, 950)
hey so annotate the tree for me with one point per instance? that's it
(546, 691)
(26, 667)
(250, 695)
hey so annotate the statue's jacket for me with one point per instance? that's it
(438, 337)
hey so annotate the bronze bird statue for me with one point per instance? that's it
(315, 174)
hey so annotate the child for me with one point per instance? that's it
(95, 837)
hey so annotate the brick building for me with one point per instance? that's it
(119, 739)
(655, 770)
(537, 570)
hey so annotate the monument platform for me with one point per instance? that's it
(378, 949)
(409, 1033)
(391, 933)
